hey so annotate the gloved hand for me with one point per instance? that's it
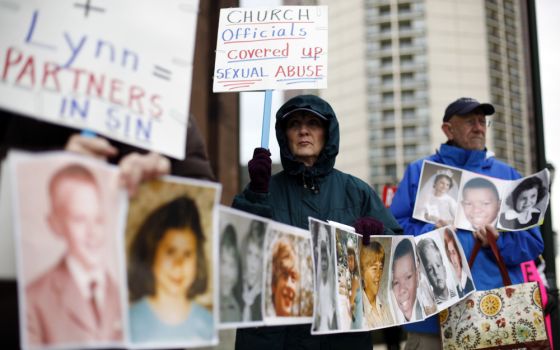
(368, 226)
(260, 168)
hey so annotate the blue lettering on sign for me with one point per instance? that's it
(129, 126)
(240, 73)
(73, 108)
(79, 46)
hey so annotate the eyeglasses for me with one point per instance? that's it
(478, 120)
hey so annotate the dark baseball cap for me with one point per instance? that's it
(466, 105)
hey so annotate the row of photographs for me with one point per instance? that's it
(170, 266)
(392, 281)
(452, 196)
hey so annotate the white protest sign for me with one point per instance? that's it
(279, 48)
(119, 68)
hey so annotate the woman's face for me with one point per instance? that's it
(228, 270)
(306, 137)
(442, 186)
(174, 265)
(527, 200)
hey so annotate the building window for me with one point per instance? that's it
(409, 150)
(386, 62)
(405, 43)
(385, 27)
(409, 131)
(387, 97)
(391, 170)
(405, 25)
(407, 95)
(388, 115)
(408, 113)
(386, 44)
(389, 152)
(407, 60)
(389, 133)
(384, 10)
(404, 8)
(387, 79)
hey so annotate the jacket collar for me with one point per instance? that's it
(465, 159)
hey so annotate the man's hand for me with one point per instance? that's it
(96, 147)
(368, 226)
(480, 234)
(260, 168)
(136, 168)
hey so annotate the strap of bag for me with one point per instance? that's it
(497, 255)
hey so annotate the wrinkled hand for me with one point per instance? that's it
(94, 146)
(480, 234)
(260, 168)
(368, 226)
(136, 168)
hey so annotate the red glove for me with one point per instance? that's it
(260, 168)
(368, 226)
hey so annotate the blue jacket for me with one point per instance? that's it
(515, 247)
(322, 192)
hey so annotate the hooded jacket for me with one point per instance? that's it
(515, 247)
(320, 191)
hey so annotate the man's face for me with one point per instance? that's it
(285, 289)
(480, 206)
(372, 276)
(254, 263)
(306, 137)
(435, 271)
(467, 131)
(454, 258)
(78, 217)
(404, 284)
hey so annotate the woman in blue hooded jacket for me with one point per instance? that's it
(309, 186)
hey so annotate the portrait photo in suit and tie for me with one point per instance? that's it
(67, 229)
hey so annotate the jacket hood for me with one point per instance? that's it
(325, 161)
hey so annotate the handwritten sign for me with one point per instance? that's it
(120, 68)
(278, 48)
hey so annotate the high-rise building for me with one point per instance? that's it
(394, 65)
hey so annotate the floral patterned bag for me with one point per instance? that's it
(510, 317)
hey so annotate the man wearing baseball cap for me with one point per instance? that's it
(465, 123)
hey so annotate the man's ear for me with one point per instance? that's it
(54, 223)
(447, 130)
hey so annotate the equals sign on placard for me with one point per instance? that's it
(162, 73)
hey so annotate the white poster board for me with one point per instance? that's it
(122, 68)
(277, 48)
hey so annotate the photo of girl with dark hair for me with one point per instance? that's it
(522, 211)
(167, 269)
